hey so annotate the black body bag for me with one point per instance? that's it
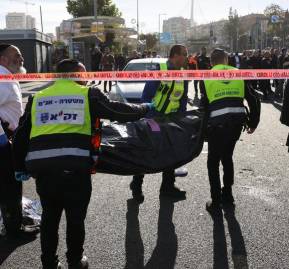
(151, 145)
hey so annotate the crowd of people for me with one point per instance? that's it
(100, 61)
(56, 131)
(250, 59)
(108, 61)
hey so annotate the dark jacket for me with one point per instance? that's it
(281, 60)
(266, 63)
(255, 62)
(100, 107)
(204, 62)
(150, 90)
(245, 63)
(285, 108)
(149, 93)
(275, 61)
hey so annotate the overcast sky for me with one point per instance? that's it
(54, 11)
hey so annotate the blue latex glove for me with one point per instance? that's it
(3, 140)
(21, 176)
(151, 106)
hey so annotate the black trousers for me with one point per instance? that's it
(265, 87)
(109, 85)
(70, 193)
(168, 179)
(221, 144)
(196, 82)
(254, 84)
(10, 193)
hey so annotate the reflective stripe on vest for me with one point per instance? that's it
(59, 113)
(227, 110)
(168, 95)
(52, 153)
(218, 89)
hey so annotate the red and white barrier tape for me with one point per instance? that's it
(247, 74)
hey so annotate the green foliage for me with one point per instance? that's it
(58, 43)
(273, 9)
(151, 40)
(80, 8)
(232, 29)
(279, 29)
(109, 38)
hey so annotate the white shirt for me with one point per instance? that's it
(11, 107)
(237, 61)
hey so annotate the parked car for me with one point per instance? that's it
(131, 91)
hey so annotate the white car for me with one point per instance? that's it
(131, 91)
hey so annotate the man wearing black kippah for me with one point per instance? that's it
(11, 62)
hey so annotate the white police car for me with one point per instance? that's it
(131, 91)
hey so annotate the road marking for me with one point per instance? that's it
(205, 148)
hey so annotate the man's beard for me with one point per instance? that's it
(22, 70)
(17, 69)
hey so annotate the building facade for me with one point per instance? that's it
(15, 21)
(179, 28)
(30, 22)
(19, 21)
(83, 33)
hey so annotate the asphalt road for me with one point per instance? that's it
(161, 234)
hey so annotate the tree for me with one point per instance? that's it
(151, 40)
(109, 38)
(273, 9)
(286, 28)
(80, 8)
(232, 29)
(278, 28)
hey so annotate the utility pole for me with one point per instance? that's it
(95, 9)
(26, 8)
(237, 39)
(162, 14)
(41, 18)
(137, 22)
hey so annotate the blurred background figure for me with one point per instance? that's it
(265, 85)
(107, 64)
(96, 56)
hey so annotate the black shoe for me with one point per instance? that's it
(60, 266)
(56, 266)
(82, 264)
(173, 192)
(25, 232)
(213, 206)
(181, 172)
(137, 193)
(227, 197)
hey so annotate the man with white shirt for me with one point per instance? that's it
(11, 62)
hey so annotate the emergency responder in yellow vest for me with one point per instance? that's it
(168, 97)
(227, 117)
(53, 143)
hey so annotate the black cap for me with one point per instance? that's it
(3, 47)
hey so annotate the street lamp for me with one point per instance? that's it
(137, 17)
(40, 9)
(161, 14)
